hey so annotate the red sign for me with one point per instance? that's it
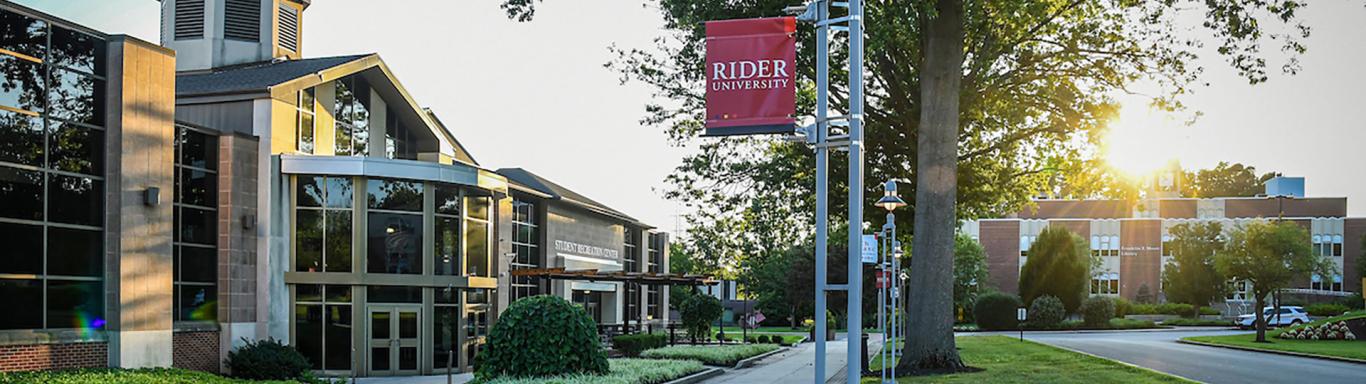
(884, 279)
(751, 76)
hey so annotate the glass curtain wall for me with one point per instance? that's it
(393, 215)
(52, 108)
(195, 239)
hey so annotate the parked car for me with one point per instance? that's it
(1289, 315)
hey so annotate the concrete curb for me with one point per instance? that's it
(697, 377)
(748, 362)
(1116, 361)
(1274, 352)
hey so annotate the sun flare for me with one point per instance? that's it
(1141, 141)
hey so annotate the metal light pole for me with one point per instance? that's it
(818, 12)
(890, 201)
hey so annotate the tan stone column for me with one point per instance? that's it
(140, 154)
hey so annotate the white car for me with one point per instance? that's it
(1289, 315)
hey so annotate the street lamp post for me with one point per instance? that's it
(891, 260)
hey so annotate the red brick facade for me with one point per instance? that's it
(1001, 241)
(32, 357)
(197, 350)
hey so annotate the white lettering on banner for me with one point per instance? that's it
(586, 250)
(749, 75)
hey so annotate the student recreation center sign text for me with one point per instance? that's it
(751, 82)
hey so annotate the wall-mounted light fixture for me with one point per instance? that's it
(151, 196)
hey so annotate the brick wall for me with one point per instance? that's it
(196, 350)
(32, 357)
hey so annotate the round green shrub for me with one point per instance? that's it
(996, 311)
(1097, 311)
(267, 359)
(1122, 307)
(698, 313)
(1046, 312)
(751, 339)
(542, 336)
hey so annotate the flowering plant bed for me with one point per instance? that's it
(1338, 330)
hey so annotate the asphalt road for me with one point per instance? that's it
(1159, 350)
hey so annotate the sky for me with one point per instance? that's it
(536, 96)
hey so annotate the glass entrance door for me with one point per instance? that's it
(393, 340)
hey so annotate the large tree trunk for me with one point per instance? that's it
(929, 322)
(1261, 320)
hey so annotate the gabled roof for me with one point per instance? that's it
(526, 179)
(253, 77)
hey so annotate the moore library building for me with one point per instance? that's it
(161, 204)
(1131, 239)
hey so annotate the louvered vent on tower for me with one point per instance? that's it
(242, 20)
(189, 19)
(289, 28)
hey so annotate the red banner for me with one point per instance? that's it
(751, 76)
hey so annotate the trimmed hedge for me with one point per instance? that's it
(542, 336)
(633, 345)
(996, 311)
(1097, 311)
(1326, 309)
(714, 355)
(1179, 309)
(131, 376)
(1046, 312)
(267, 359)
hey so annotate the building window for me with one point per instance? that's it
(307, 104)
(525, 246)
(477, 236)
(395, 227)
(52, 100)
(352, 116)
(322, 325)
(399, 141)
(195, 240)
(631, 263)
(1025, 243)
(322, 222)
(447, 255)
(654, 263)
(446, 328)
(1105, 283)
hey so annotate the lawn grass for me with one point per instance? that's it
(1009, 360)
(736, 330)
(714, 355)
(623, 371)
(1341, 348)
(124, 376)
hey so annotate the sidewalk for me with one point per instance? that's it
(796, 365)
(459, 378)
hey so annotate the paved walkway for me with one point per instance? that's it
(459, 378)
(796, 365)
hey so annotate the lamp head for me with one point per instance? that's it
(890, 201)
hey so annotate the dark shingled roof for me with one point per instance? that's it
(253, 77)
(536, 182)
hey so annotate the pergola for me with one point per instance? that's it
(636, 278)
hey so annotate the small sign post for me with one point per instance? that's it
(1020, 316)
(869, 249)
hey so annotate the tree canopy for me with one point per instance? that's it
(1270, 255)
(1190, 277)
